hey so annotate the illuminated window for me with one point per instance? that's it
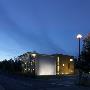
(66, 73)
(71, 60)
(58, 68)
(63, 65)
(58, 59)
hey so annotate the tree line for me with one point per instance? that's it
(11, 66)
(84, 62)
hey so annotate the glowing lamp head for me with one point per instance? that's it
(71, 60)
(79, 36)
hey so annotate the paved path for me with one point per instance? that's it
(65, 83)
(1, 88)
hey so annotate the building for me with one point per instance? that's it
(43, 64)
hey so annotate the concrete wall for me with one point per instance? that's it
(46, 65)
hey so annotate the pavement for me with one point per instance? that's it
(1, 88)
(64, 83)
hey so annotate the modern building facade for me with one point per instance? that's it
(42, 64)
(45, 65)
(64, 65)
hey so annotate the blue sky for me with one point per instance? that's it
(45, 26)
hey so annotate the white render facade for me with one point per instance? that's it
(45, 65)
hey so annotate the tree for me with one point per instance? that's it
(85, 55)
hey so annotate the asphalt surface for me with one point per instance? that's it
(63, 83)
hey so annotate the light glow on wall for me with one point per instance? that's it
(46, 69)
(47, 66)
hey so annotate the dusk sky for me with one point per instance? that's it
(45, 26)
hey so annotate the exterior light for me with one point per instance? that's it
(71, 60)
(58, 59)
(33, 69)
(25, 69)
(25, 63)
(63, 65)
(34, 55)
(79, 36)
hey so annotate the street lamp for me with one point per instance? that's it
(79, 36)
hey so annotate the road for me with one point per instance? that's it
(64, 83)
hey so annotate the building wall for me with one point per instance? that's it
(45, 65)
(65, 65)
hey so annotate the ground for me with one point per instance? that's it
(16, 83)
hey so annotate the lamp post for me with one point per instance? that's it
(79, 36)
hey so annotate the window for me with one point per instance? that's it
(63, 65)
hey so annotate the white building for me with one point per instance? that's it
(45, 65)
